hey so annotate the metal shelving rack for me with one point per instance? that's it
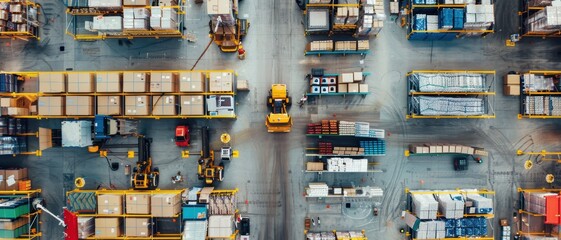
(225, 192)
(439, 34)
(525, 12)
(485, 94)
(363, 237)
(78, 13)
(154, 235)
(25, 75)
(344, 94)
(34, 214)
(529, 218)
(32, 22)
(549, 94)
(333, 27)
(409, 202)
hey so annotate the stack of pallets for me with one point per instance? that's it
(325, 148)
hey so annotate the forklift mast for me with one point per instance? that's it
(206, 143)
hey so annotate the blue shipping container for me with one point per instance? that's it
(459, 19)
(194, 212)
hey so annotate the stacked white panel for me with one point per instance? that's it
(479, 16)
(425, 206)
(317, 189)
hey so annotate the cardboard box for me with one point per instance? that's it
(164, 105)
(191, 82)
(221, 82)
(138, 204)
(80, 83)
(13, 176)
(110, 204)
(17, 111)
(107, 227)
(8, 102)
(192, 105)
(512, 90)
(135, 81)
(109, 105)
(363, 88)
(79, 105)
(13, 224)
(51, 82)
(86, 227)
(137, 227)
(165, 205)
(314, 166)
(136, 3)
(108, 82)
(136, 105)
(218, 7)
(53, 106)
(353, 87)
(357, 76)
(162, 82)
(511, 79)
(346, 78)
(342, 87)
(2, 180)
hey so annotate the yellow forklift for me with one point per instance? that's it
(278, 119)
(226, 28)
(143, 175)
(207, 169)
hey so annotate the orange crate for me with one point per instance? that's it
(24, 185)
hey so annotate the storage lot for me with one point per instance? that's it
(270, 170)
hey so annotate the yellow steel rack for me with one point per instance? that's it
(32, 29)
(527, 217)
(34, 95)
(125, 193)
(413, 111)
(334, 28)
(523, 94)
(33, 216)
(77, 16)
(363, 237)
(525, 12)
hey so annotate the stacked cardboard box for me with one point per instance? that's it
(107, 227)
(347, 165)
(348, 151)
(482, 204)
(108, 82)
(136, 2)
(424, 206)
(165, 205)
(326, 45)
(446, 148)
(325, 148)
(51, 82)
(363, 45)
(163, 82)
(137, 227)
(137, 204)
(53, 106)
(80, 83)
(86, 227)
(164, 105)
(192, 105)
(535, 202)
(107, 24)
(449, 207)
(191, 82)
(512, 85)
(220, 226)
(136, 18)
(314, 166)
(136, 105)
(341, 15)
(221, 82)
(345, 46)
(222, 9)
(109, 204)
(479, 16)
(9, 178)
(135, 81)
(109, 105)
(79, 105)
(11, 225)
(317, 189)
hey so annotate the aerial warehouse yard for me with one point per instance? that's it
(336, 119)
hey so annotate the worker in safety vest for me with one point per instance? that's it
(241, 52)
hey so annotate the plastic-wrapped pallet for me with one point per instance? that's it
(347, 128)
(362, 129)
(484, 205)
(535, 202)
(446, 82)
(446, 17)
(317, 189)
(424, 206)
(420, 22)
(431, 106)
(377, 133)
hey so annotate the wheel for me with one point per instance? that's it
(132, 181)
(201, 177)
(289, 102)
(301, 4)
(156, 180)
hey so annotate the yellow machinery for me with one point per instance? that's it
(143, 176)
(207, 169)
(226, 29)
(279, 120)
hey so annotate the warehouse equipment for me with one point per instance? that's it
(100, 20)
(322, 190)
(447, 20)
(20, 218)
(462, 213)
(278, 119)
(106, 126)
(537, 19)
(182, 136)
(207, 168)
(539, 94)
(226, 28)
(144, 176)
(538, 211)
(336, 235)
(121, 94)
(20, 20)
(450, 94)
(327, 84)
(330, 47)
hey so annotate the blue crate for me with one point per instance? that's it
(450, 232)
(459, 232)
(459, 19)
(469, 231)
(450, 223)
(476, 231)
(419, 2)
(483, 231)
(483, 210)
(420, 22)
(374, 147)
(446, 18)
(482, 222)
(430, 2)
(458, 223)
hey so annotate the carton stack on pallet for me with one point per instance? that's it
(317, 189)
(348, 151)
(314, 128)
(512, 85)
(329, 127)
(431, 230)
(326, 45)
(466, 227)
(345, 46)
(535, 202)
(14, 179)
(424, 206)
(314, 166)
(374, 147)
(372, 17)
(347, 165)
(325, 148)
(449, 207)
(481, 204)
(446, 148)
(86, 227)
(347, 128)
(321, 236)
(362, 129)
(546, 20)
(13, 222)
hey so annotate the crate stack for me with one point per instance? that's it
(321, 236)
(359, 46)
(348, 151)
(347, 165)
(372, 18)
(512, 85)
(424, 206)
(535, 202)
(329, 127)
(547, 20)
(347, 128)
(14, 224)
(374, 147)
(451, 208)
(466, 227)
(479, 16)
(314, 128)
(481, 204)
(362, 129)
(317, 189)
(325, 148)
(17, 16)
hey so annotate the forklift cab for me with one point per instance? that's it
(182, 136)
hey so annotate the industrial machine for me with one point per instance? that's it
(278, 119)
(182, 136)
(207, 169)
(143, 175)
(106, 126)
(226, 28)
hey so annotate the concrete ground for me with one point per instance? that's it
(269, 171)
